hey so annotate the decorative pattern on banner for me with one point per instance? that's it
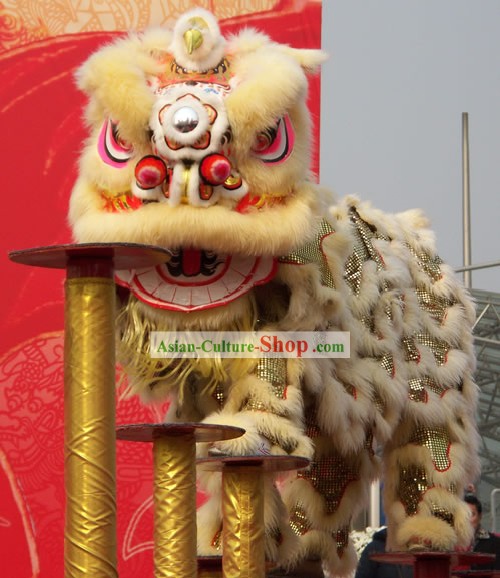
(42, 42)
(23, 22)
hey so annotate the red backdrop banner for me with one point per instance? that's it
(41, 45)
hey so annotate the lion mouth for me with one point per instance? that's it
(194, 280)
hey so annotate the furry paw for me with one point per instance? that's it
(263, 449)
(251, 443)
(425, 533)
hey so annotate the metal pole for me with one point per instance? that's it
(493, 509)
(90, 547)
(374, 512)
(466, 201)
(175, 507)
(243, 539)
(477, 267)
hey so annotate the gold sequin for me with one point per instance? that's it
(412, 484)
(378, 401)
(311, 419)
(437, 307)
(253, 404)
(418, 386)
(410, 349)
(298, 520)
(330, 477)
(312, 253)
(437, 441)
(369, 322)
(273, 370)
(363, 251)
(387, 362)
(369, 442)
(288, 445)
(341, 537)
(430, 265)
(352, 273)
(417, 391)
(367, 233)
(218, 393)
(442, 513)
(438, 347)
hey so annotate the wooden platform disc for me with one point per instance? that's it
(202, 432)
(266, 463)
(456, 558)
(210, 562)
(122, 255)
(475, 573)
(307, 568)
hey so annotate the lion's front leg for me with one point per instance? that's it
(267, 403)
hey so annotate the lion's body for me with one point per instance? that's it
(259, 247)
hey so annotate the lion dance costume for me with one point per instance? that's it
(201, 145)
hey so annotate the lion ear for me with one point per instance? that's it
(310, 59)
(115, 79)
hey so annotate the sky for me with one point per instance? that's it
(399, 77)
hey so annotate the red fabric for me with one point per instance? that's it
(42, 134)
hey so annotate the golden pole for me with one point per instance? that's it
(243, 522)
(243, 535)
(89, 417)
(174, 494)
(175, 507)
(90, 545)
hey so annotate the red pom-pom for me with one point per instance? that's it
(215, 169)
(150, 172)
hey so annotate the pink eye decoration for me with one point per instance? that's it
(275, 144)
(113, 150)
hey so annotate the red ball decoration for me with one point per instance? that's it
(150, 172)
(215, 169)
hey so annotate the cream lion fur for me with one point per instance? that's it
(338, 265)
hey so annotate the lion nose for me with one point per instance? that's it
(185, 119)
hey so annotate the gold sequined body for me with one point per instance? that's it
(396, 299)
(402, 403)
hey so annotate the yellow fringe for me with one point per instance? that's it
(156, 378)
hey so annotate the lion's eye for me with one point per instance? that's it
(113, 150)
(275, 144)
(265, 139)
(226, 138)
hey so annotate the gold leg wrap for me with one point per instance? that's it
(89, 449)
(175, 507)
(243, 523)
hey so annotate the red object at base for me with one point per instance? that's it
(433, 564)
